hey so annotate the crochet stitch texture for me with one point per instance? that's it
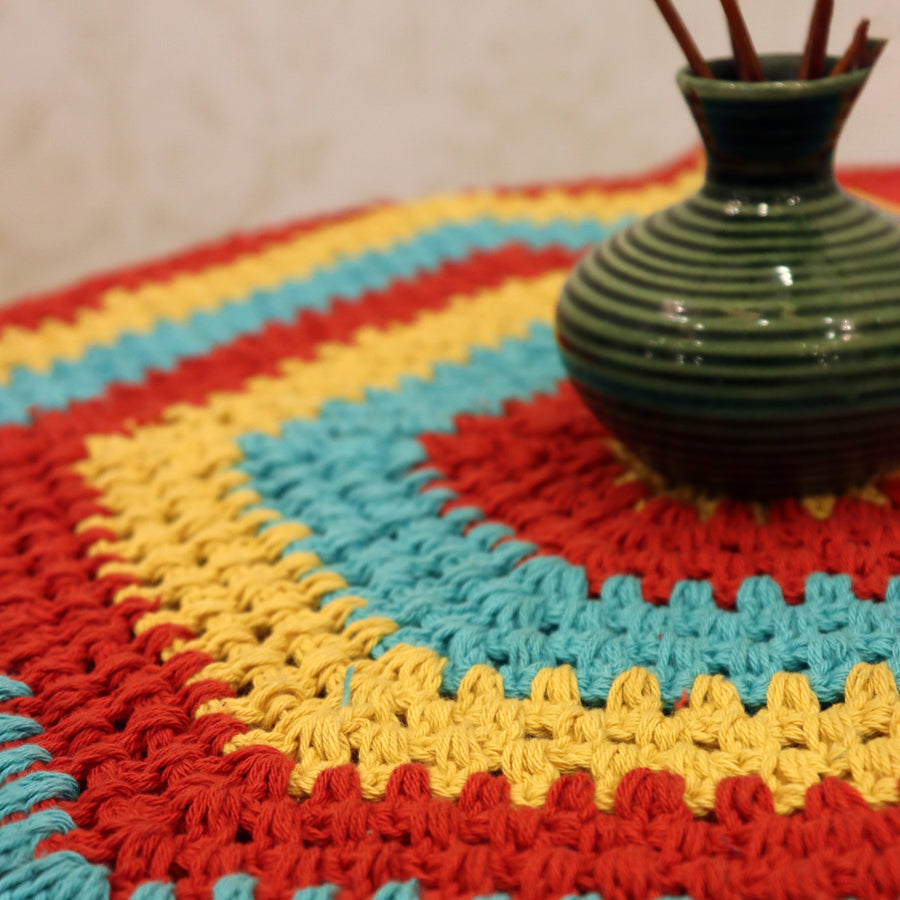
(317, 580)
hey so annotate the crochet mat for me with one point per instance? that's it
(317, 580)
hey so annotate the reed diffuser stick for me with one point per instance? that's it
(853, 56)
(745, 55)
(685, 41)
(813, 65)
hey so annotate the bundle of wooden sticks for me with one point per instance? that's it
(858, 54)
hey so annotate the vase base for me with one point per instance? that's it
(756, 461)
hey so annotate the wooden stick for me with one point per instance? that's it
(742, 73)
(854, 54)
(745, 55)
(813, 65)
(685, 41)
(871, 51)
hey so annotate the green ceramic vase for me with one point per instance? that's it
(747, 340)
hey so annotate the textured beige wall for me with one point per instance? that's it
(132, 127)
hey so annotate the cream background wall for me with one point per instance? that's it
(129, 128)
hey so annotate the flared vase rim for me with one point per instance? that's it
(776, 89)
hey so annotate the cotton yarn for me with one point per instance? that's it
(317, 580)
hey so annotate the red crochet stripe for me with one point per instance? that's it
(64, 304)
(31, 311)
(228, 366)
(661, 175)
(545, 467)
(880, 181)
(220, 815)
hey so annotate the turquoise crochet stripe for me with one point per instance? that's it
(324, 892)
(350, 476)
(133, 355)
(234, 887)
(241, 887)
(57, 876)
(154, 890)
(20, 759)
(18, 728)
(11, 690)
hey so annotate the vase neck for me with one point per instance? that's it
(773, 135)
(727, 176)
(772, 145)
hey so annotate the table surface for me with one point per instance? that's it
(318, 580)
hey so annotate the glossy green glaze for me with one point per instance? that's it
(748, 339)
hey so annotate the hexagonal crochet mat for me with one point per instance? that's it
(317, 580)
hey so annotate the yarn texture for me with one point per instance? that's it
(318, 581)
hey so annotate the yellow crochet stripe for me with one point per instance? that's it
(183, 528)
(160, 479)
(139, 310)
